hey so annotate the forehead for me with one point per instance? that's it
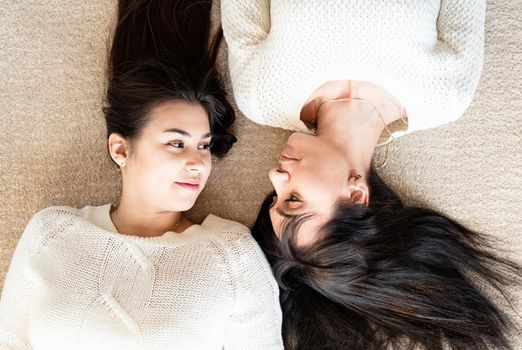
(178, 114)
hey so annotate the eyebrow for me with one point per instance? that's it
(184, 133)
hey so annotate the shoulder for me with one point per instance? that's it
(50, 214)
(233, 236)
(225, 227)
(43, 226)
(237, 243)
(54, 215)
(48, 222)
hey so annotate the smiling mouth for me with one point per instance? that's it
(188, 186)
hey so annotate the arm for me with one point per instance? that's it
(446, 74)
(256, 320)
(245, 23)
(460, 27)
(16, 295)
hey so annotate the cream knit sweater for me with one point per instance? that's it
(428, 54)
(76, 283)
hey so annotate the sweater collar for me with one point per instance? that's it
(100, 216)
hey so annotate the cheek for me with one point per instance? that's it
(207, 160)
(275, 222)
(332, 169)
(321, 184)
(161, 175)
(313, 175)
(160, 169)
(301, 140)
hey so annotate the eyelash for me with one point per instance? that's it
(205, 146)
(292, 199)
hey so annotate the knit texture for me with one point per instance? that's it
(76, 283)
(53, 146)
(428, 54)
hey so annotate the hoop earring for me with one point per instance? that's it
(386, 150)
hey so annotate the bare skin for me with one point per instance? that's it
(386, 103)
(323, 168)
(157, 167)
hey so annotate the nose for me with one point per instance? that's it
(279, 179)
(194, 163)
(296, 139)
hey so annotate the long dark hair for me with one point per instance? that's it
(162, 51)
(388, 276)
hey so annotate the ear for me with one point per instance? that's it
(360, 194)
(357, 192)
(119, 148)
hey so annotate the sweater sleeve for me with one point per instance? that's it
(461, 27)
(15, 304)
(458, 59)
(246, 25)
(256, 319)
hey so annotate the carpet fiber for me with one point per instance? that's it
(53, 146)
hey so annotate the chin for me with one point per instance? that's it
(181, 199)
(184, 204)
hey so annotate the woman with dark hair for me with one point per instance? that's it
(357, 268)
(140, 275)
(383, 276)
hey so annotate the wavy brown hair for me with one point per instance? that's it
(388, 276)
(162, 51)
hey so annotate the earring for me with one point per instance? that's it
(356, 177)
(121, 165)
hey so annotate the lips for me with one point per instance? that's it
(189, 185)
(287, 155)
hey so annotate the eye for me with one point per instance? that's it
(176, 144)
(292, 198)
(204, 146)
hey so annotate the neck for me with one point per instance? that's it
(354, 127)
(132, 218)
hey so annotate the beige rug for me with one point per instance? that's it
(53, 147)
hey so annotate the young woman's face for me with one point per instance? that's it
(171, 160)
(310, 178)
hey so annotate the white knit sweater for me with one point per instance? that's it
(428, 54)
(76, 283)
